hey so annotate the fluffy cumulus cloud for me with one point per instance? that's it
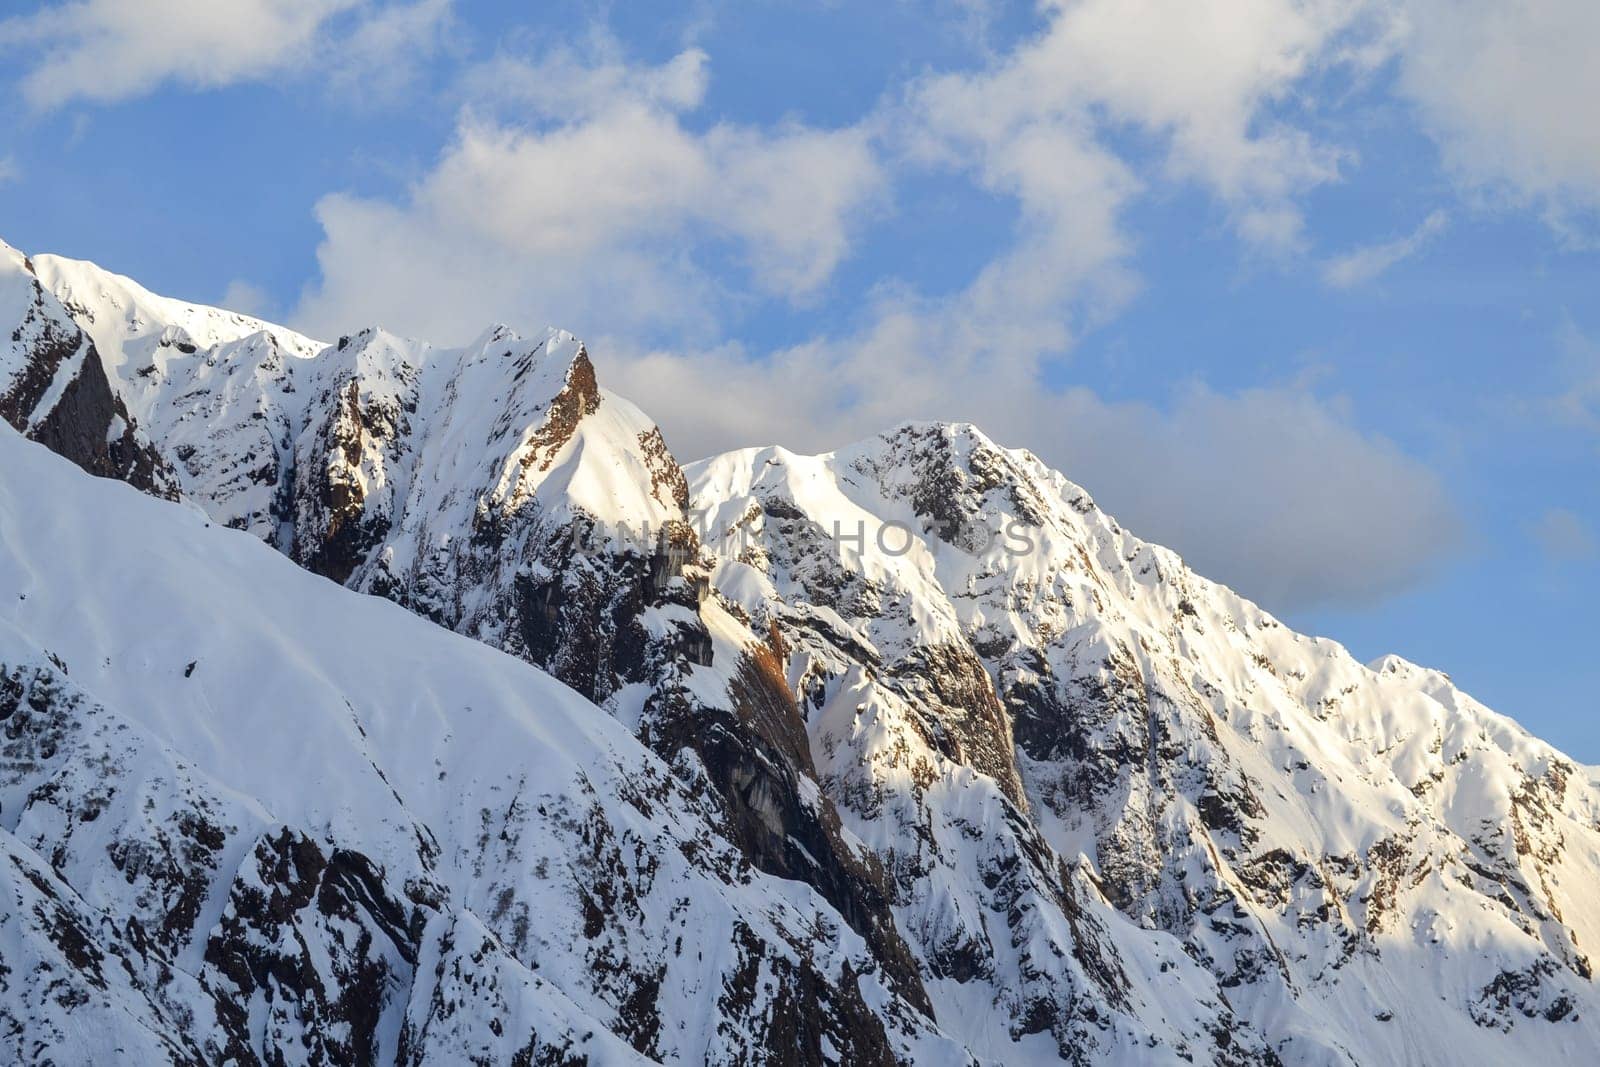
(583, 189)
(599, 204)
(1205, 77)
(108, 50)
(599, 218)
(1503, 86)
(1508, 88)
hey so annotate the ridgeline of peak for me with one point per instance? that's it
(1046, 794)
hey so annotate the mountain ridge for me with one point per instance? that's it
(468, 811)
(1076, 800)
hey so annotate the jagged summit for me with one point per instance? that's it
(55, 387)
(129, 323)
(330, 832)
(1283, 810)
(1047, 794)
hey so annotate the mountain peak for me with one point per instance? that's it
(1071, 800)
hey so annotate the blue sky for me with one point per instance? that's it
(1305, 290)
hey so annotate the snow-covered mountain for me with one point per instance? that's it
(248, 816)
(903, 753)
(1371, 865)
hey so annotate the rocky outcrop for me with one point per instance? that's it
(311, 957)
(458, 484)
(53, 388)
(409, 848)
(757, 759)
(91, 426)
(1012, 780)
(998, 678)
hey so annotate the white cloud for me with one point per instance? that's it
(1203, 76)
(108, 50)
(1071, 192)
(1269, 490)
(598, 209)
(1363, 264)
(1508, 89)
(1564, 536)
(595, 222)
(8, 170)
(248, 298)
(1578, 402)
(379, 58)
(589, 208)
(564, 85)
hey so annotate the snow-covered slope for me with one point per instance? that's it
(497, 490)
(246, 814)
(425, 474)
(54, 386)
(1371, 865)
(1043, 793)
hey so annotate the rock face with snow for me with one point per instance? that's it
(54, 387)
(1368, 864)
(903, 753)
(496, 490)
(331, 832)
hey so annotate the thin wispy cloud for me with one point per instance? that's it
(1577, 403)
(103, 51)
(247, 298)
(1361, 265)
(1565, 537)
